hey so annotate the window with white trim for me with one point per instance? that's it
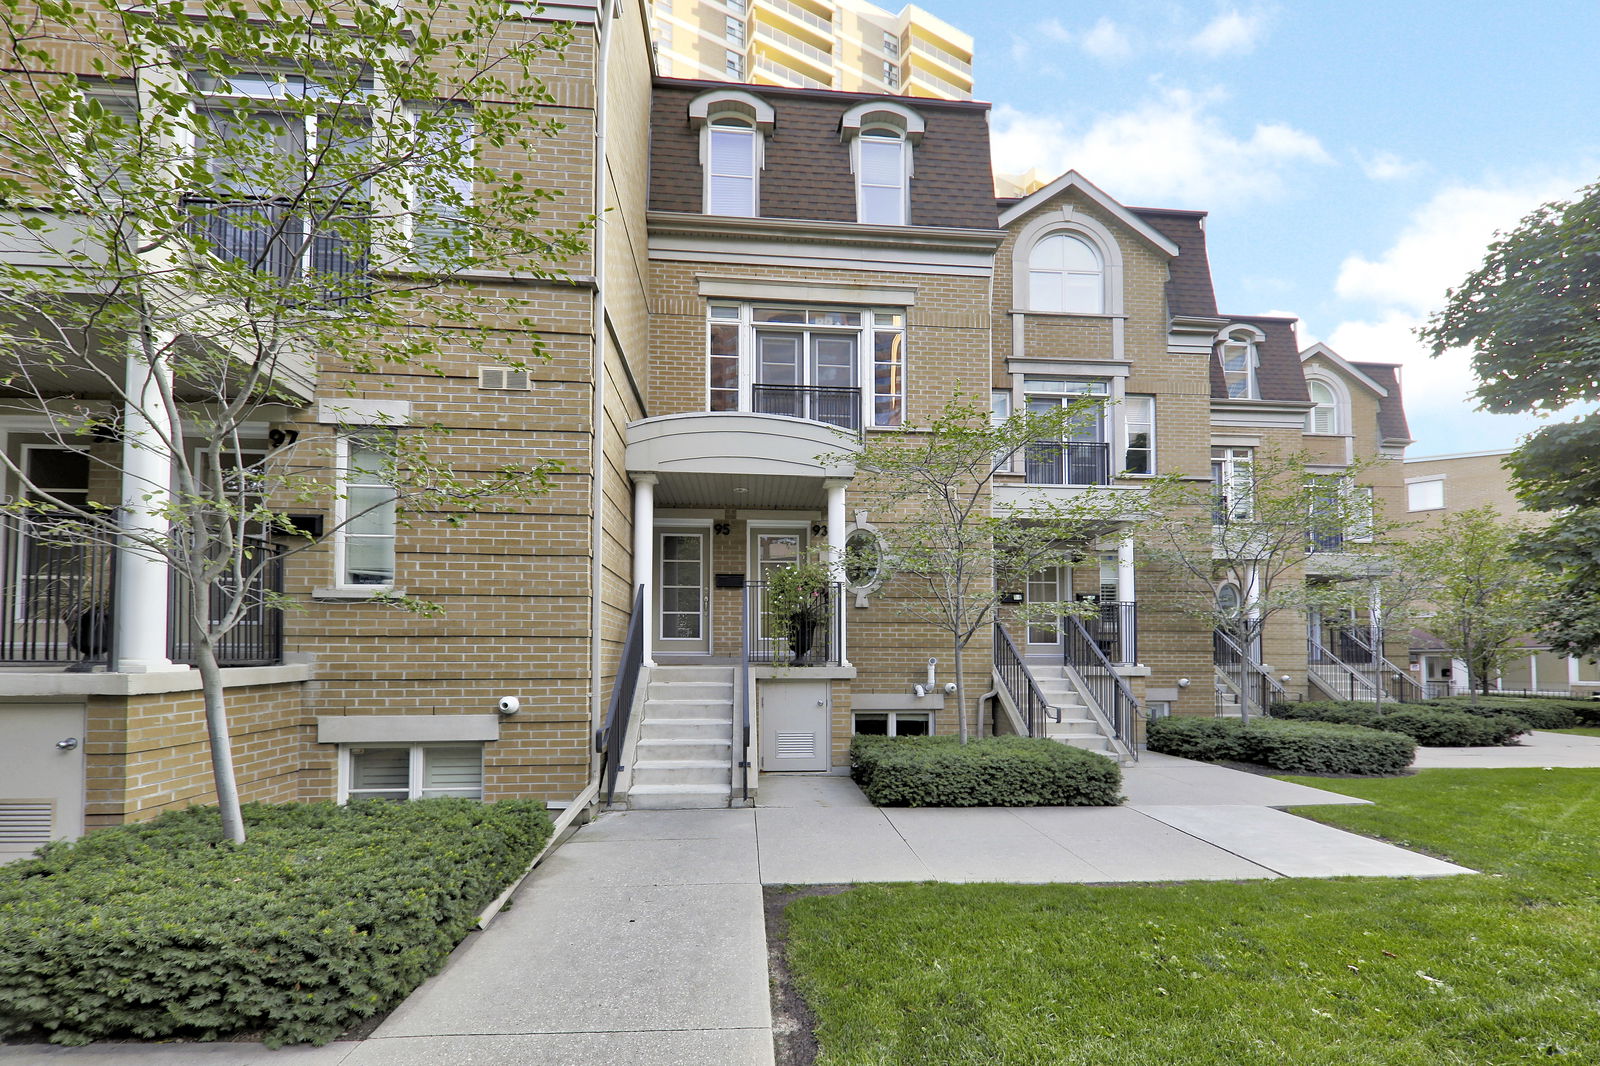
(442, 196)
(366, 512)
(734, 29)
(1324, 417)
(1425, 495)
(733, 64)
(893, 723)
(1083, 456)
(808, 362)
(1139, 422)
(1341, 512)
(1237, 354)
(882, 169)
(411, 771)
(1234, 481)
(1066, 273)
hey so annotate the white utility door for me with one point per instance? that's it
(793, 725)
(683, 616)
(41, 776)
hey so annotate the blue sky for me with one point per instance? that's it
(1356, 157)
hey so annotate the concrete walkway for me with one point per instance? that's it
(642, 939)
(1537, 749)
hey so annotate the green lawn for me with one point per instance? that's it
(1582, 731)
(1465, 970)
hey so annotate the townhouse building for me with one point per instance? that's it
(776, 275)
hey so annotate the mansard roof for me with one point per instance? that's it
(1189, 290)
(1278, 374)
(1392, 424)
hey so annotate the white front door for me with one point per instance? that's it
(41, 776)
(683, 622)
(793, 723)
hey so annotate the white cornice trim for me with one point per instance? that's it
(690, 223)
(1339, 361)
(1073, 180)
(1457, 455)
(745, 288)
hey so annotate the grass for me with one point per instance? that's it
(1580, 731)
(1465, 970)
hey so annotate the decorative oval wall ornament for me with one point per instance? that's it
(866, 559)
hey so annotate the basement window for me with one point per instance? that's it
(894, 723)
(410, 771)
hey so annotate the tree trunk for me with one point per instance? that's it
(221, 743)
(961, 693)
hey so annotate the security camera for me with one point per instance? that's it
(950, 688)
(509, 705)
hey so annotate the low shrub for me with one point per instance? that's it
(1535, 712)
(1342, 712)
(984, 772)
(1451, 729)
(326, 915)
(1301, 747)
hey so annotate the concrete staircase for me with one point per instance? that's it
(683, 757)
(1078, 727)
(1343, 683)
(1227, 700)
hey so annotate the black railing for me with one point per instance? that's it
(1242, 675)
(1336, 676)
(1116, 629)
(256, 639)
(1020, 684)
(1105, 687)
(1067, 463)
(57, 583)
(609, 738)
(809, 637)
(835, 406)
(271, 237)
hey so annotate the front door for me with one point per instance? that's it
(41, 776)
(683, 623)
(793, 723)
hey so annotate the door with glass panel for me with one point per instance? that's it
(683, 624)
(1082, 456)
(807, 365)
(770, 551)
(1049, 585)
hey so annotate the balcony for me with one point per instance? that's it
(783, 75)
(837, 407)
(802, 15)
(819, 61)
(59, 600)
(1067, 463)
(940, 87)
(272, 238)
(813, 637)
(948, 58)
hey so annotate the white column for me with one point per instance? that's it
(1126, 595)
(644, 543)
(142, 603)
(836, 487)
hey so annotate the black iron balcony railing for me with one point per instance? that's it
(272, 238)
(836, 406)
(809, 637)
(1116, 630)
(57, 578)
(256, 639)
(1067, 463)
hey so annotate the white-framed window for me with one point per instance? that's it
(891, 44)
(1328, 415)
(365, 513)
(866, 560)
(1045, 586)
(1237, 352)
(1234, 480)
(891, 73)
(410, 771)
(440, 199)
(733, 152)
(1066, 273)
(883, 170)
(894, 723)
(734, 29)
(1139, 422)
(1341, 511)
(733, 64)
(808, 362)
(1083, 456)
(1425, 495)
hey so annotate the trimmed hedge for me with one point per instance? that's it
(1296, 747)
(1534, 711)
(325, 916)
(1425, 723)
(984, 772)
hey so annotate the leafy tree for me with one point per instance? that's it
(1482, 598)
(223, 210)
(1234, 549)
(1531, 316)
(950, 552)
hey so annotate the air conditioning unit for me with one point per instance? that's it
(504, 378)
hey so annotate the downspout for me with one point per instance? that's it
(597, 413)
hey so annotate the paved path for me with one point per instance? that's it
(641, 940)
(1537, 749)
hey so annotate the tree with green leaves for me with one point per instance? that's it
(1530, 314)
(950, 552)
(1478, 595)
(211, 214)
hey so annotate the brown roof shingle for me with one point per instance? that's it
(1278, 374)
(1391, 408)
(1189, 290)
(807, 173)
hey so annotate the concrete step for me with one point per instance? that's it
(690, 690)
(1087, 741)
(1074, 724)
(678, 797)
(663, 710)
(693, 674)
(674, 750)
(686, 729)
(685, 772)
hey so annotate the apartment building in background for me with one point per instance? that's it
(848, 45)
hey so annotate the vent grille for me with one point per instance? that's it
(797, 745)
(25, 825)
(504, 378)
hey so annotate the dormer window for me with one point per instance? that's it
(1324, 417)
(1065, 273)
(1237, 351)
(882, 137)
(733, 127)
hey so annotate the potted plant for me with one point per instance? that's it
(797, 601)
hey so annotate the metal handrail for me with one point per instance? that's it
(739, 755)
(57, 590)
(1108, 689)
(1228, 654)
(1381, 662)
(1071, 462)
(838, 407)
(1316, 655)
(818, 645)
(609, 738)
(256, 639)
(1020, 683)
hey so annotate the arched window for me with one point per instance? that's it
(1236, 350)
(1065, 273)
(881, 174)
(733, 126)
(1324, 417)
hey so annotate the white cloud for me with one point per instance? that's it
(1106, 41)
(1231, 33)
(1172, 149)
(1053, 29)
(1386, 166)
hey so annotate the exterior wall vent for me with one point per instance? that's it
(504, 378)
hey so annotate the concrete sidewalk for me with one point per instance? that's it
(1538, 748)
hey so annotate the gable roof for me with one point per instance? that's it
(1349, 369)
(1278, 375)
(1189, 290)
(1073, 180)
(1391, 407)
